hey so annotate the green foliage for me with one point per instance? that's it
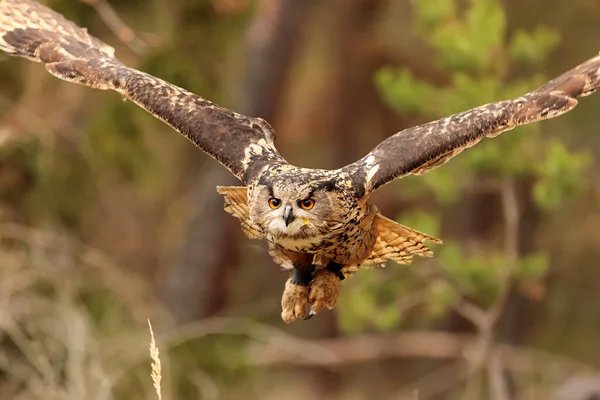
(372, 303)
(115, 143)
(404, 92)
(473, 47)
(440, 294)
(532, 266)
(442, 185)
(474, 274)
(462, 42)
(422, 221)
(559, 174)
(533, 48)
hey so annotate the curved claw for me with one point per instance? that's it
(310, 314)
(324, 291)
(294, 302)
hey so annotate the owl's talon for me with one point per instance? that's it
(310, 314)
(294, 302)
(324, 291)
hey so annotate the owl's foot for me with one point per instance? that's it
(294, 301)
(324, 290)
(295, 295)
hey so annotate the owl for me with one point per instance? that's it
(319, 224)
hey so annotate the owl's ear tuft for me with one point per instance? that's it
(265, 181)
(330, 184)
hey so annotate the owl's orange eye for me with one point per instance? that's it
(274, 203)
(307, 204)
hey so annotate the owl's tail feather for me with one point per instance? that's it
(236, 204)
(396, 242)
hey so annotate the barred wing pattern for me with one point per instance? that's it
(242, 144)
(422, 148)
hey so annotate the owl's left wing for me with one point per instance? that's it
(422, 148)
(242, 144)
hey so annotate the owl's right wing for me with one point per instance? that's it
(422, 148)
(242, 144)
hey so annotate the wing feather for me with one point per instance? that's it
(236, 204)
(421, 148)
(242, 144)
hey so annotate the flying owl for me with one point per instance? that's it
(319, 224)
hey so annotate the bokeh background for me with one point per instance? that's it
(109, 218)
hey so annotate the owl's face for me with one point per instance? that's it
(286, 210)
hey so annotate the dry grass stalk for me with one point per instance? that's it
(156, 369)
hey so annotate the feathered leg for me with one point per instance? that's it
(325, 288)
(294, 300)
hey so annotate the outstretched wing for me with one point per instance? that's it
(421, 148)
(242, 144)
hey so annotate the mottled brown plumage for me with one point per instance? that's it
(318, 223)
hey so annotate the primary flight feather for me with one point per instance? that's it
(319, 223)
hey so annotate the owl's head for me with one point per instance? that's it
(287, 207)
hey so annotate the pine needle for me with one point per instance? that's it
(156, 369)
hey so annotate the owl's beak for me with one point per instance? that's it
(288, 215)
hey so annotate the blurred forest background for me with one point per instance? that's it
(108, 217)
